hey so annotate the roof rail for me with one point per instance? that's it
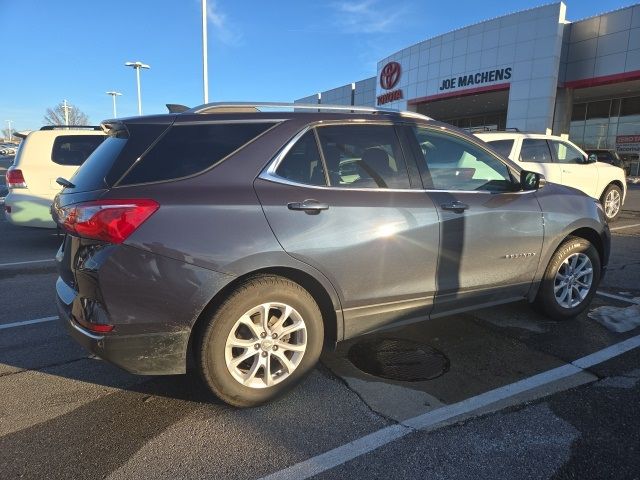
(228, 107)
(69, 127)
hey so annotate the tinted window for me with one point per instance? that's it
(363, 156)
(189, 149)
(114, 156)
(456, 164)
(565, 153)
(302, 163)
(74, 149)
(503, 147)
(535, 150)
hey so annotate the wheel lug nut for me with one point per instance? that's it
(264, 354)
(263, 334)
(275, 335)
(275, 347)
(257, 346)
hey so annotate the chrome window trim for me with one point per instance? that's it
(284, 181)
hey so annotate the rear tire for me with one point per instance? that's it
(261, 341)
(611, 201)
(570, 280)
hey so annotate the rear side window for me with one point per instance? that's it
(74, 149)
(114, 156)
(503, 147)
(535, 150)
(189, 149)
(363, 156)
(302, 164)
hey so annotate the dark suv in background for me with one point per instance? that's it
(246, 240)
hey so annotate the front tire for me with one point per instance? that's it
(611, 202)
(570, 280)
(261, 341)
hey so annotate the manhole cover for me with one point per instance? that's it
(396, 359)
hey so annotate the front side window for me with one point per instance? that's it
(565, 153)
(73, 150)
(456, 164)
(363, 156)
(535, 150)
(189, 149)
(302, 162)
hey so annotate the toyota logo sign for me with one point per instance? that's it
(390, 75)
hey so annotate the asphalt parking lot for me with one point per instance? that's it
(510, 394)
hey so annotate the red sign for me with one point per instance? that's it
(628, 139)
(390, 75)
(390, 97)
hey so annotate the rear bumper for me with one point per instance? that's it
(25, 209)
(157, 353)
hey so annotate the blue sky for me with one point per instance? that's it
(258, 50)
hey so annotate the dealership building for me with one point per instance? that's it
(532, 70)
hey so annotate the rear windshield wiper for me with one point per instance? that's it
(64, 183)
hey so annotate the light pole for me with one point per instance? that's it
(205, 60)
(66, 109)
(9, 122)
(137, 66)
(114, 94)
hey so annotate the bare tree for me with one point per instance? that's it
(55, 116)
(5, 134)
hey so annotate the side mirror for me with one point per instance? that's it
(531, 180)
(592, 158)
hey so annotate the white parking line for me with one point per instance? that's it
(625, 226)
(349, 451)
(617, 297)
(13, 264)
(27, 322)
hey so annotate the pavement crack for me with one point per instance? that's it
(371, 409)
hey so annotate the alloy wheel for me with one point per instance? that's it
(573, 280)
(266, 345)
(612, 203)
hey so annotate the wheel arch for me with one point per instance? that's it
(586, 233)
(617, 183)
(331, 313)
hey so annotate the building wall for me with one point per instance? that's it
(603, 45)
(365, 94)
(529, 42)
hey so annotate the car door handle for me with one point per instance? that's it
(456, 206)
(309, 206)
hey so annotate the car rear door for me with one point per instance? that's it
(350, 210)
(535, 156)
(490, 233)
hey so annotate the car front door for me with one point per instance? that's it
(352, 213)
(576, 172)
(535, 156)
(490, 233)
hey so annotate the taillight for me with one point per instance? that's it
(15, 178)
(109, 220)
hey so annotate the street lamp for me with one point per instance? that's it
(137, 66)
(9, 122)
(205, 64)
(113, 96)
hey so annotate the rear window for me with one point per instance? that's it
(73, 150)
(503, 147)
(114, 157)
(189, 149)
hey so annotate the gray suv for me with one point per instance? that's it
(242, 241)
